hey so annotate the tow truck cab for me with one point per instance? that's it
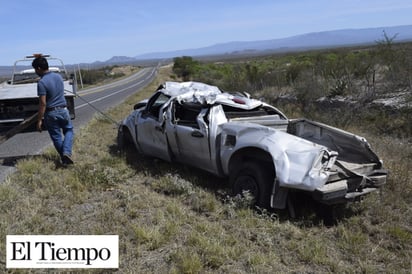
(18, 96)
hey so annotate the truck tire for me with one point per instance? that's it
(256, 178)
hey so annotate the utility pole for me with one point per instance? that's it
(80, 76)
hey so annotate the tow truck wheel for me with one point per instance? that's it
(256, 179)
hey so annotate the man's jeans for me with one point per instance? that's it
(58, 121)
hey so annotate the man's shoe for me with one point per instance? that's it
(67, 160)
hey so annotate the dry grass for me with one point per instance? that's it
(173, 219)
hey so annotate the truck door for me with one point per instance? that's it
(191, 135)
(151, 134)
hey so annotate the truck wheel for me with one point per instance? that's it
(255, 178)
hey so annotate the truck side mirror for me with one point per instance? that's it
(139, 105)
(72, 79)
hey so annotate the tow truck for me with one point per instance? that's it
(19, 102)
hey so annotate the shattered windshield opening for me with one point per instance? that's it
(232, 112)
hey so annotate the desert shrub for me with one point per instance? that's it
(97, 75)
(184, 67)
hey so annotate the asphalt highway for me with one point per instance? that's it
(87, 105)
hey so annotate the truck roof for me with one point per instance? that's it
(195, 92)
(30, 71)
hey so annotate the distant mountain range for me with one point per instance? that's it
(314, 40)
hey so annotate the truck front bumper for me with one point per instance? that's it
(350, 189)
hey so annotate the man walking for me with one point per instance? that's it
(53, 110)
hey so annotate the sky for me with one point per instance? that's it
(84, 31)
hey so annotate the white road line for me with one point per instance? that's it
(114, 93)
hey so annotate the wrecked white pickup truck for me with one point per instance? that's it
(253, 144)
